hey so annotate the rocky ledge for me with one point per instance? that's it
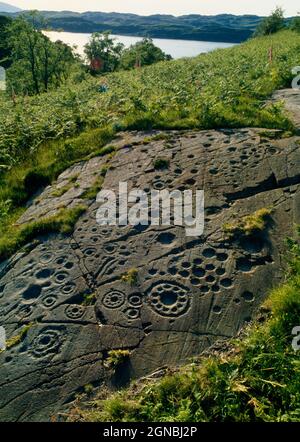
(75, 293)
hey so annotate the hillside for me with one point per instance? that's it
(224, 88)
(5, 7)
(225, 27)
(89, 308)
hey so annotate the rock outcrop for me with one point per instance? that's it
(189, 292)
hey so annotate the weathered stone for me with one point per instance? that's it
(190, 292)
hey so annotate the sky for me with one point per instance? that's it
(175, 7)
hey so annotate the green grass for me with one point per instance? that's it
(89, 299)
(131, 277)
(61, 191)
(256, 380)
(116, 358)
(95, 189)
(20, 183)
(15, 237)
(72, 182)
(41, 136)
(249, 225)
(15, 340)
(224, 88)
(161, 164)
(49, 160)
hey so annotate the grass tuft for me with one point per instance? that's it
(130, 277)
(15, 340)
(91, 193)
(116, 358)
(18, 236)
(161, 164)
(250, 224)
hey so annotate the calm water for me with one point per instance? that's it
(176, 48)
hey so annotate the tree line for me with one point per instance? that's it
(34, 64)
(275, 23)
(105, 54)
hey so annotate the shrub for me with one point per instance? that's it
(272, 24)
(142, 53)
(295, 24)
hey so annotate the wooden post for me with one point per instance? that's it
(138, 63)
(271, 55)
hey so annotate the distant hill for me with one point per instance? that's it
(227, 28)
(224, 27)
(5, 7)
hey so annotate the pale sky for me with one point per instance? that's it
(175, 7)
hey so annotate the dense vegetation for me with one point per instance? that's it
(190, 93)
(143, 53)
(272, 24)
(5, 22)
(42, 135)
(276, 22)
(105, 54)
(295, 24)
(222, 88)
(37, 63)
(33, 63)
(256, 379)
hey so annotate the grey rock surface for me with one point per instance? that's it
(190, 291)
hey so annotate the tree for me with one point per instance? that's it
(37, 63)
(142, 53)
(5, 50)
(56, 60)
(24, 40)
(103, 53)
(272, 24)
(295, 24)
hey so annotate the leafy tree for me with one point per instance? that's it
(295, 24)
(37, 63)
(103, 52)
(272, 24)
(142, 53)
(5, 50)
(56, 60)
